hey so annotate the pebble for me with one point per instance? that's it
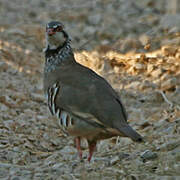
(150, 68)
(168, 84)
(139, 66)
(144, 39)
(148, 155)
(169, 50)
(3, 66)
(169, 146)
(144, 124)
(133, 85)
(156, 73)
(114, 160)
(56, 166)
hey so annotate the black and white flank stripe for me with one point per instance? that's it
(65, 120)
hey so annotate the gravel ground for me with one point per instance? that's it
(135, 45)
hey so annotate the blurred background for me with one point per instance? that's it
(135, 45)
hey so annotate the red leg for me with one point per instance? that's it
(78, 146)
(92, 146)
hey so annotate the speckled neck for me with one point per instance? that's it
(57, 56)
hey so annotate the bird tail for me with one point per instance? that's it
(130, 132)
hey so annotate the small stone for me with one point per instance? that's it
(157, 81)
(148, 155)
(37, 97)
(55, 142)
(3, 66)
(37, 175)
(169, 146)
(46, 136)
(144, 124)
(169, 50)
(57, 166)
(114, 160)
(144, 39)
(178, 55)
(177, 121)
(123, 156)
(116, 69)
(139, 66)
(31, 138)
(150, 68)
(169, 84)
(164, 77)
(134, 85)
(68, 149)
(157, 73)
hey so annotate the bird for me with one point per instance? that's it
(84, 103)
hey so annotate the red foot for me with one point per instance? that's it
(78, 146)
(92, 147)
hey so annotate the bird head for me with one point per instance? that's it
(55, 35)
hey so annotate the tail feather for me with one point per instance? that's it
(130, 132)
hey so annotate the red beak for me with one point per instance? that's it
(50, 31)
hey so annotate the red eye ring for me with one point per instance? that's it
(58, 29)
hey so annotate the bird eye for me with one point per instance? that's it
(59, 28)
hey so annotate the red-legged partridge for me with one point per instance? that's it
(85, 104)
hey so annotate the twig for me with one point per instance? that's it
(165, 99)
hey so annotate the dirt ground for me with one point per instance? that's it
(135, 45)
